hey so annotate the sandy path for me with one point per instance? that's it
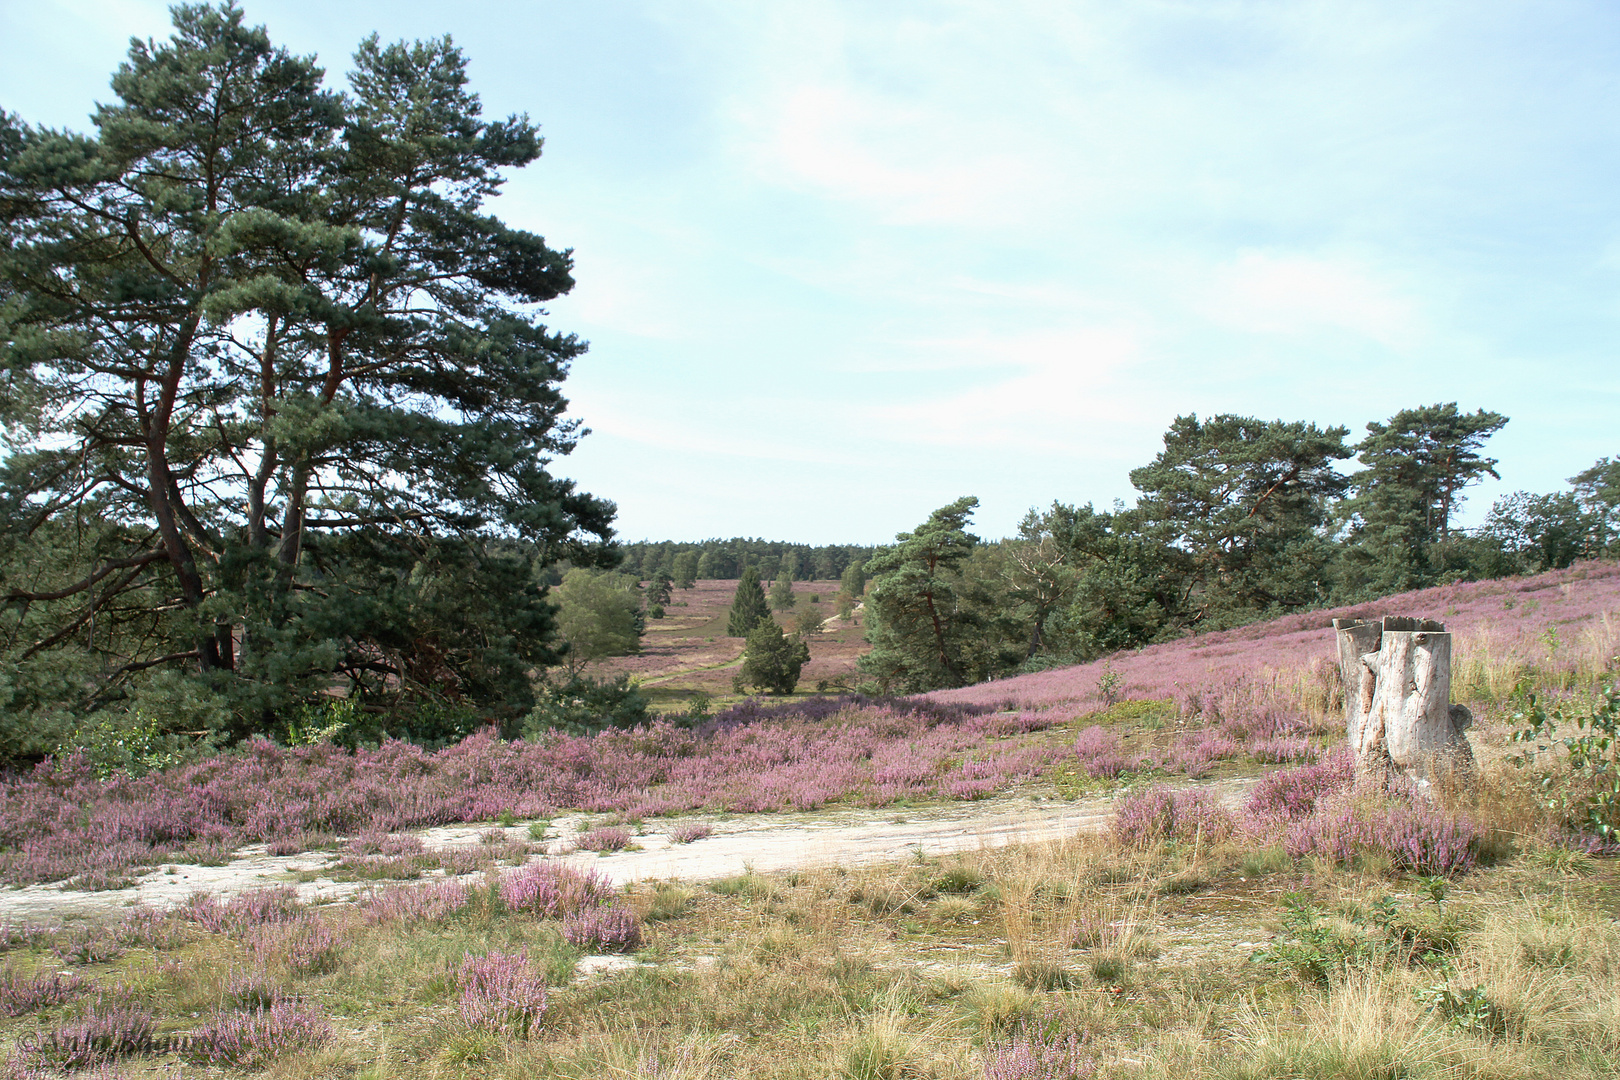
(761, 842)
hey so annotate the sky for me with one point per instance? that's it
(841, 263)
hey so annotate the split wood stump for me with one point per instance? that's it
(1398, 714)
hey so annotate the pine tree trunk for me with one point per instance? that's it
(1397, 700)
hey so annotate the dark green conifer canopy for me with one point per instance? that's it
(270, 361)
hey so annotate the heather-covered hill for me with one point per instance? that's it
(1564, 623)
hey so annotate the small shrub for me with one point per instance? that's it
(603, 839)
(1099, 752)
(460, 860)
(501, 993)
(1590, 801)
(1281, 750)
(88, 945)
(99, 1036)
(553, 891)
(22, 994)
(381, 868)
(246, 910)
(1417, 838)
(1426, 840)
(25, 935)
(1465, 1008)
(611, 929)
(306, 945)
(689, 831)
(433, 902)
(1145, 817)
(257, 1035)
(1291, 794)
(250, 990)
(1042, 1054)
(396, 844)
(1108, 685)
(1158, 814)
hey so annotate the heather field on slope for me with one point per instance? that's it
(1564, 624)
(1309, 928)
(1241, 699)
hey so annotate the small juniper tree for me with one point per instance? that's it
(772, 660)
(748, 607)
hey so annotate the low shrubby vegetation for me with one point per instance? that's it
(1251, 911)
(1194, 940)
(1195, 709)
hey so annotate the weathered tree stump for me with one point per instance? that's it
(1399, 720)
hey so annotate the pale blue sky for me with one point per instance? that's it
(840, 263)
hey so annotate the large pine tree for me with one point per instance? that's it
(1417, 465)
(262, 336)
(931, 626)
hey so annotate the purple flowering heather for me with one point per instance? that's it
(102, 1034)
(500, 992)
(21, 994)
(1039, 1055)
(1291, 794)
(553, 891)
(611, 929)
(249, 909)
(687, 832)
(606, 838)
(432, 902)
(1147, 817)
(256, 1035)
(1215, 673)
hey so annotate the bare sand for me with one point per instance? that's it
(737, 845)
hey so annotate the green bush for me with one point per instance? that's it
(132, 743)
(581, 706)
(1587, 794)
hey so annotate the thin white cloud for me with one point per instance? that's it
(1054, 389)
(1274, 292)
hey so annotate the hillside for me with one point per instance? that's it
(687, 652)
(1563, 622)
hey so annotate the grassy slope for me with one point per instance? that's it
(687, 652)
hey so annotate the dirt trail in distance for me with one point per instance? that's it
(738, 844)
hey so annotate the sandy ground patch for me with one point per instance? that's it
(757, 842)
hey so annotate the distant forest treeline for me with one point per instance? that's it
(729, 558)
